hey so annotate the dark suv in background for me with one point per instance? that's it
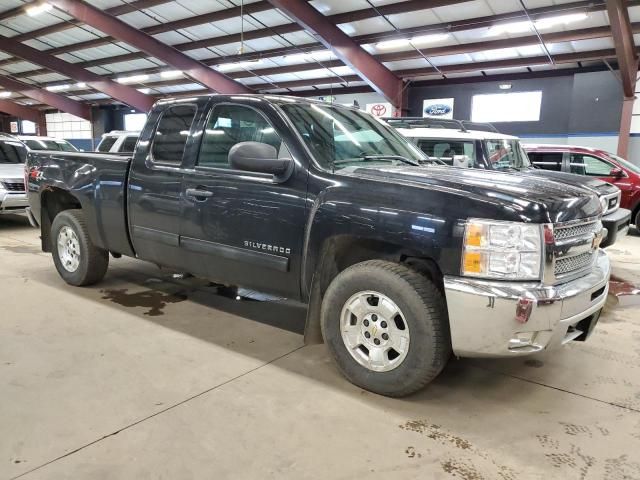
(592, 162)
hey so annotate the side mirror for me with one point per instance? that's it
(616, 172)
(258, 157)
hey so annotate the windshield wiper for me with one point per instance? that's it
(366, 158)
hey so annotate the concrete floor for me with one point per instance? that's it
(142, 377)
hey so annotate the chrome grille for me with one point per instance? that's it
(579, 230)
(571, 264)
(14, 186)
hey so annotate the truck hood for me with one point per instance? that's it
(552, 201)
(11, 171)
(595, 184)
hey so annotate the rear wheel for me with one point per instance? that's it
(78, 261)
(386, 326)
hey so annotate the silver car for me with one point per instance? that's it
(13, 197)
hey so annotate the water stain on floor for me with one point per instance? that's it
(623, 293)
(154, 300)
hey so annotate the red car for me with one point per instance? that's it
(594, 163)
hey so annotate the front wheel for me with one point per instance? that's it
(78, 261)
(386, 326)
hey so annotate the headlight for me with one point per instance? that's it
(502, 250)
(604, 203)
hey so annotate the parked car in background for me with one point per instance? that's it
(13, 198)
(480, 145)
(46, 143)
(400, 264)
(595, 163)
(118, 141)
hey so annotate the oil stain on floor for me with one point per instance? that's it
(154, 300)
(623, 293)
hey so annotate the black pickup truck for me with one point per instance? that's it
(400, 264)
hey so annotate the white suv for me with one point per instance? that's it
(118, 141)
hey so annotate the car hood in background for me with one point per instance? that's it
(11, 170)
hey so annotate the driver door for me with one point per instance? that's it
(238, 227)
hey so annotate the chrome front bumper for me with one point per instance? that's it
(482, 314)
(13, 202)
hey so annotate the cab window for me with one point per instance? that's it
(546, 160)
(172, 133)
(445, 150)
(232, 124)
(129, 144)
(589, 165)
(106, 143)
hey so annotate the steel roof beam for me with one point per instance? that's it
(124, 32)
(624, 44)
(124, 93)
(20, 111)
(379, 77)
(55, 100)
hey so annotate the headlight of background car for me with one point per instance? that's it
(502, 250)
(604, 203)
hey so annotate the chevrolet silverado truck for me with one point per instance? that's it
(480, 145)
(329, 206)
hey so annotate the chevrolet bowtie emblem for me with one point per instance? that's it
(597, 239)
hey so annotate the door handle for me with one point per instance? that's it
(198, 194)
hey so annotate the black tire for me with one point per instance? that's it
(93, 261)
(636, 220)
(424, 308)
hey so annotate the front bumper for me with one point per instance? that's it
(482, 314)
(617, 225)
(13, 202)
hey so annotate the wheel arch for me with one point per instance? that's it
(54, 200)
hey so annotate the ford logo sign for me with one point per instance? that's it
(437, 109)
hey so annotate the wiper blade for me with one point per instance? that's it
(391, 157)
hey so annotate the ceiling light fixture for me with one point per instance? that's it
(57, 88)
(132, 79)
(541, 24)
(432, 38)
(81, 85)
(395, 43)
(144, 90)
(5, 94)
(505, 86)
(37, 9)
(171, 74)
(248, 64)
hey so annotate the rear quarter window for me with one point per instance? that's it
(106, 143)
(172, 133)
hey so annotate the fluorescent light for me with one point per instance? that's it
(132, 79)
(396, 43)
(229, 66)
(542, 24)
(171, 74)
(432, 38)
(311, 56)
(57, 88)
(505, 86)
(33, 10)
(144, 90)
(81, 85)
(5, 94)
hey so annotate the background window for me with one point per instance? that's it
(129, 144)
(506, 107)
(106, 143)
(546, 160)
(445, 150)
(134, 122)
(588, 165)
(232, 124)
(172, 133)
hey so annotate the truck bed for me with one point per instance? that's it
(98, 181)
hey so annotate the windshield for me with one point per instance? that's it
(60, 145)
(625, 163)
(12, 152)
(506, 155)
(341, 137)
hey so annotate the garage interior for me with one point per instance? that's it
(153, 373)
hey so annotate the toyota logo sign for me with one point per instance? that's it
(378, 110)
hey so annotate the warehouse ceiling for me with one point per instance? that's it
(263, 49)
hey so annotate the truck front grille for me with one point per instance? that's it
(14, 186)
(576, 231)
(568, 265)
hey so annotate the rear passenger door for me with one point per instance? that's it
(155, 186)
(240, 227)
(547, 160)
